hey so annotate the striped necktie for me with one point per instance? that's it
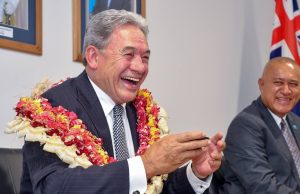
(291, 142)
(121, 149)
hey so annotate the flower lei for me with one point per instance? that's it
(63, 133)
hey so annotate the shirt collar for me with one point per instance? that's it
(105, 100)
(277, 118)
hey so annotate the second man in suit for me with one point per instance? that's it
(262, 154)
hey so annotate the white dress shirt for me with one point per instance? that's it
(278, 119)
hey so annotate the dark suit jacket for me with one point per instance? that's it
(101, 5)
(44, 172)
(257, 158)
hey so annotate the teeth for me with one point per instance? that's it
(280, 98)
(284, 99)
(131, 79)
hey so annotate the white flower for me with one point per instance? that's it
(163, 124)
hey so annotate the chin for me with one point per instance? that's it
(130, 97)
(284, 112)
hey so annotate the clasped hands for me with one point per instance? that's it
(172, 151)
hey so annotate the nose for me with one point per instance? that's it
(138, 65)
(286, 89)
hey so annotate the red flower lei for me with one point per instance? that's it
(72, 131)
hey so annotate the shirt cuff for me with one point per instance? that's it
(137, 175)
(198, 185)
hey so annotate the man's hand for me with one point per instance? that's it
(172, 151)
(209, 160)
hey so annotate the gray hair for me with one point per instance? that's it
(102, 25)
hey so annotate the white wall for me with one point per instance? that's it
(206, 57)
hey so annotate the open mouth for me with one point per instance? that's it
(131, 80)
(283, 100)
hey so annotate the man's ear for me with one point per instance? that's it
(260, 84)
(92, 56)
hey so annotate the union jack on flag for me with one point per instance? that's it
(286, 30)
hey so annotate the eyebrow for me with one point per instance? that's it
(131, 48)
(282, 79)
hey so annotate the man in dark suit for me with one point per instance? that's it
(259, 158)
(102, 5)
(116, 56)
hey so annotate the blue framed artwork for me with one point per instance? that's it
(84, 9)
(21, 25)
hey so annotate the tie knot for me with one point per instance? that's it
(283, 124)
(118, 110)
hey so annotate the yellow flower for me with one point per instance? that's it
(153, 131)
(76, 127)
(151, 121)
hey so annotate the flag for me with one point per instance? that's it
(286, 33)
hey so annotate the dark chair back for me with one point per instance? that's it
(10, 170)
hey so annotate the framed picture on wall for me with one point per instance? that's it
(21, 25)
(84, 9)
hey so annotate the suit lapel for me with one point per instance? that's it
(275, 130)
(87, 97)
(296, 132)
(131, 115)
(294, 126)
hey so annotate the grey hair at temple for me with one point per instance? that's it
(102, 25)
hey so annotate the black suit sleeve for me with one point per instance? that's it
(247, 156)
(48, 174)
(177, 182)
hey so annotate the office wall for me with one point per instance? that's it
(206, 57)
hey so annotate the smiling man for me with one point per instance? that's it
(106, 97)
(262, 154)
